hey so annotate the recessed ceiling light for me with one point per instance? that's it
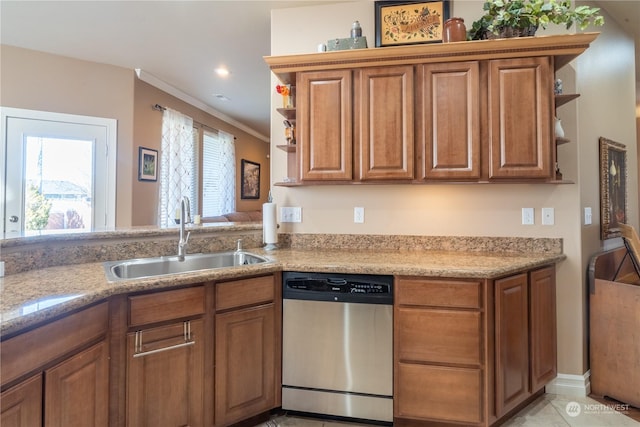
(221, 97)
(222, 72)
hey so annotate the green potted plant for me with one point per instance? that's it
(516, 18)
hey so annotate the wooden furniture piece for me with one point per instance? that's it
(46, 371)
(614, 342)
(482, 112)
(472, 352)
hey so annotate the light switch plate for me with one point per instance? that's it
(358, 215)
(587, 216)
(527, 216)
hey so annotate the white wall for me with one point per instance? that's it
(472, 210)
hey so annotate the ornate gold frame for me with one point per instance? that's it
(613, 187)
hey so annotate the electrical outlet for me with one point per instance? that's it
(548, 216)
(527, 216)
(291, 214)
(358, 215)
(587, 216)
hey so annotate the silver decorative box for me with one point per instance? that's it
(345, 44)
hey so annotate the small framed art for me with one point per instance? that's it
(250, 185)
(410, 22)
(147, 164)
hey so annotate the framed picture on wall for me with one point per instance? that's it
(250, 185)
(409, 22)
(147, 164)
(613, 187)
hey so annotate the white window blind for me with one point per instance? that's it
(218, 174)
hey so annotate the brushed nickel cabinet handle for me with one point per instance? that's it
(186, 331)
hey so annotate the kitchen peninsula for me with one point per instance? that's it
(486, 280)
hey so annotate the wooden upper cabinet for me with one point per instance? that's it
(448, 120)
(325, 125)
(384, 113)
(520, 114)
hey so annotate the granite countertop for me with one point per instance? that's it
(35, 296)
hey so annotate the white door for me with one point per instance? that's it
(59, 172)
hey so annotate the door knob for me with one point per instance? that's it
(13, 218)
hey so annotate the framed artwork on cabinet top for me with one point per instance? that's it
(613, 188)
(409, 22)
(250, 185)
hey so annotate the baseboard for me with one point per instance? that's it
(570, 385)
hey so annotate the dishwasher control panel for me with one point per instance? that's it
(375, 289)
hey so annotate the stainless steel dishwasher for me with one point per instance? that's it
(337, 345)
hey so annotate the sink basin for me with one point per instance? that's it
(161, 266)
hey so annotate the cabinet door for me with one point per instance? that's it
(21, 405)
(512, 342)
(77, 390)
(542, 324)
(520, 106)
(324, 125)
(448, 120)
(384, 123)
(165, 376)
(244, 363)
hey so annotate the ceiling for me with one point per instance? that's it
(178, 44)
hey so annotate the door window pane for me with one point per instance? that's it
(59, 184)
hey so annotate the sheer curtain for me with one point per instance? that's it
(177, 161)
(218, 174)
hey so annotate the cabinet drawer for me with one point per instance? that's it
(31, 350)
(438, 393)
(245, 292)
(166, 305)
(441, 293)
(441, 336)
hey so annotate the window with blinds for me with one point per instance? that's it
(218, 174)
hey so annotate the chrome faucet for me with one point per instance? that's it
(184, 218)
(239, 245)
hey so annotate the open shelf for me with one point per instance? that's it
(289, 148)
(287, 113)
(564, 98)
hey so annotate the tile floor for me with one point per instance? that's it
(548, 411)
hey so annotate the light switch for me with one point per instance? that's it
(358, 215)
(527, 216)
(587, 216)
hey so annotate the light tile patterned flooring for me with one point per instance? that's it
(549, 410)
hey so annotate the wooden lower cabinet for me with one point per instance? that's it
(542, 315)
(442, 393)
(77, 390)
(21, 405)
(469, 352)
(512, 342)
(65, 366)
(244, 371)
(525, 336)
(439, 340)
(165, 375)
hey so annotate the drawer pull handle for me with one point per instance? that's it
(137, 351)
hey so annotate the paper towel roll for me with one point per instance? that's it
(269, 224)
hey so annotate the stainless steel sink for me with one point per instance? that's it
(160, 266)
